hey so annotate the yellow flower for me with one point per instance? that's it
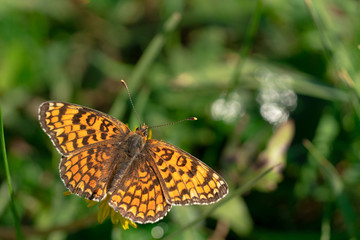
(105, 210)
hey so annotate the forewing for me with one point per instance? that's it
(184, 178)
(72, 127)
(139, 196)
(87, 172)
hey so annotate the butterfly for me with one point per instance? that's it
(143, 178)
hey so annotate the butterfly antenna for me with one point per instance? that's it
(132, 104)
(167, 124)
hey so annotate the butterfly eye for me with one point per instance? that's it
(146, 133)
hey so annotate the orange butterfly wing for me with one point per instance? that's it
(184, 178)
(140, 196)
(72, 127)
(86, 139)
(87, 173)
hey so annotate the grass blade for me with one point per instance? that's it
(329, 45)
(248, 41)
(19, 233)
(156, 44)
(332, 177)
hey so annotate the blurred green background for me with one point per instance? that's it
(271, 82)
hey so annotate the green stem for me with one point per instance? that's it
(245, 49)
(141, 68)
(332, 177)
(329, 44)
(325, 224)
(19, 233)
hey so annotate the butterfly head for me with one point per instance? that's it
(143, 130)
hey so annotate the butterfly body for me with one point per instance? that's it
(143, 177)
(137, 141)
